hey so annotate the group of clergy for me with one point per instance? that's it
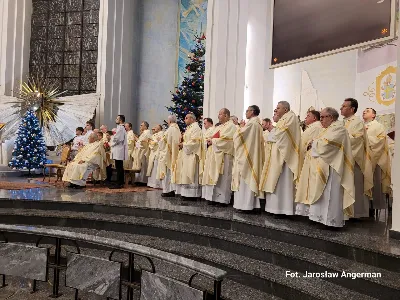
(333, 171)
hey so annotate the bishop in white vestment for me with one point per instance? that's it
(327, 178)
(189, 166)
(217, 176)
(281, 167)
(379, 151)
(88, 159)
(153, 158)
(247, 166)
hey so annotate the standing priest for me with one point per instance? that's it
(153, 157)
(363, 176)
(119, 151)
(141, 153)
(328, 185)
(168, 154)
(189, 166)
(249, 146)
(217, 176)
(380, 157)
(313, 129)
(281, 166)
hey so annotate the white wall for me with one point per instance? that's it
(15, 34)
(334, 77)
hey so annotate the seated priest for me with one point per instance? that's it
(153, 157)
(141, 153)
(327, 184)
(281, 165)
(89, 158)
(217, 176)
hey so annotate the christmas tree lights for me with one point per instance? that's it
(29, 148)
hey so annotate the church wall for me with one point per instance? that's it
(157, 59)
(334, 78)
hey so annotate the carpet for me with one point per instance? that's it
(9, 185)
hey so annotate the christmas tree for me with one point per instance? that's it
(30, 148)
(188, 97)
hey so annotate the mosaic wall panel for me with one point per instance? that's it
(64, 43)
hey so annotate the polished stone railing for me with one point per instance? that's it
(96, 275)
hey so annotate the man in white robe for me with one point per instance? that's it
(89, 127)
(217, 176)
(208, 125)
(281, 166)
(313, 129)
(78, 143)
(379, 150)
(363, 176)
(190, 164)
(247, 166)
(327, 185)
(141, 154)
(153, 158)
(131, 139)
(91, 157)
(119, 151)
(168, 154)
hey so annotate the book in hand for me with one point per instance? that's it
(216, 135)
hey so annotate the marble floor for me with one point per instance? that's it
(372, 232)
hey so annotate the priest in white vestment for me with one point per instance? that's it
(281, 166)
(131, 140)
(189, 167)
(313, 129)
(141, 153)
(208, 125)
(363, 176)
(327, 184)
(168, 153)
(91, 157)
(247, 166)
(217, 175)
(104, 129)
(153, 158)
(379, 150)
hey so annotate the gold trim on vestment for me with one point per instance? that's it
(346, 159)
(249, 161)
(321, 174)
(294, 145)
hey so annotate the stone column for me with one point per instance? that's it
(15, 34)
(237, 59)
(115, 67)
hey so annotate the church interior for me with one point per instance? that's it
(199, 149)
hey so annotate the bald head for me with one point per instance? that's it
(224, 115)
(171, 119)
(157, 128)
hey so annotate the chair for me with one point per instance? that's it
(64, 160)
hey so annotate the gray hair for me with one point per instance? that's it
(226, 111)
(234, 118)
(146, 124)
(192, 116)
(93, 136)
(333, 112)
(172, 118)
(285, 104)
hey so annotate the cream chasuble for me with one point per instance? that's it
(284, 142)
(380, 158)
(312, 131)
(130, 136)
(154, 151)
(168, 150)
(214, 164)
(249, 155)
(141, 150)
(190, 160)
(93, 155)
(333, 156)
(359, 145)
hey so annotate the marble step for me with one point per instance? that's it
(284, 255)
(364, 241)
(265, 277)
